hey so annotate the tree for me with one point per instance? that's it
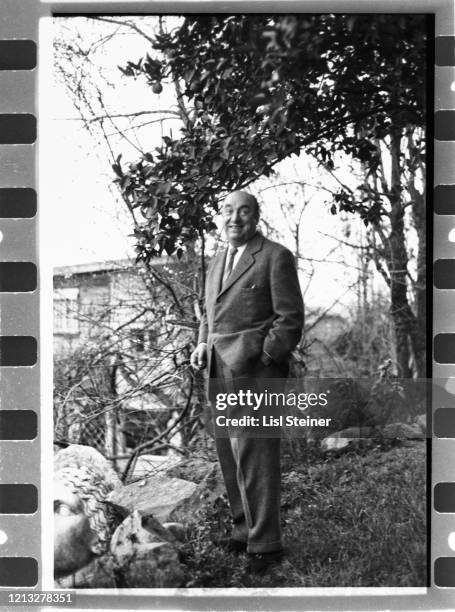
(93, 371)
(122, 384)
(257, 90)
(264, 88)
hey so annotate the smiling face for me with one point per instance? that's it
(241, 215)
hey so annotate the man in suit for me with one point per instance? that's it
(253, 320)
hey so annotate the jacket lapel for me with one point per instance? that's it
(245, 262)
(217, 273)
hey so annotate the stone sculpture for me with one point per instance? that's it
(83, 523)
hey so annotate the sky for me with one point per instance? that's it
(89, 220)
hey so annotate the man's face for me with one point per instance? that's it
(240, 218)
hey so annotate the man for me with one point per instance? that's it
(253, 320)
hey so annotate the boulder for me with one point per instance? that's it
(157, 495)
(335, 444)
(346, 439)
(177, 530)
(403, 431)
(144, 554)
(147, 465)
(194, 469)
(99, 574)
(210, 488)
(353, 437)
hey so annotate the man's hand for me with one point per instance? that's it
(198, 357)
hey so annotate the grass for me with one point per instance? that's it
(354, 520)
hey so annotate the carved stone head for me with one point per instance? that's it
(82, 523)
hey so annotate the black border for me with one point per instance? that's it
(429, 202)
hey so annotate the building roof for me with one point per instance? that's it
(103, 266)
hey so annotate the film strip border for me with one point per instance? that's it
(20, 529)
(443, 445)
(19, 305)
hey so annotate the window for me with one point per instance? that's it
(143, 339)
(66, 310)
(138, 340)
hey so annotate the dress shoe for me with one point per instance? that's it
(259, 563)
(231, 545)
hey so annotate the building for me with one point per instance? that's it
(96, 298)
(115, 354)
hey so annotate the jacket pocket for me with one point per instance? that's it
(255, 303)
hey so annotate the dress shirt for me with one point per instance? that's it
(238, 255)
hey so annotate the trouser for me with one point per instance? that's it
(252, 474)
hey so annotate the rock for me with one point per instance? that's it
(144, 556)
(99, 574)
(147, 465)
(365, 436)
(177, 530)
(348, 438)
(212, 485)
(137, 529)
(210, 488)
(402, 430)
(194, 469)
(158, 495)
(335, 444)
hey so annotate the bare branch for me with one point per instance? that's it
(164, 433)
(129, 115)
(331, 306)
(126, 24)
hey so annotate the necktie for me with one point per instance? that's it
(230, 263)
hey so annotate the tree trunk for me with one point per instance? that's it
(110, 439)
(418, 336)
(397, 261)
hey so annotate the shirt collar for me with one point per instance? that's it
(240, 249)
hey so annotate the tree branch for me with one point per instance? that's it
(126, 24)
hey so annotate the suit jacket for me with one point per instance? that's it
(260, 308)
